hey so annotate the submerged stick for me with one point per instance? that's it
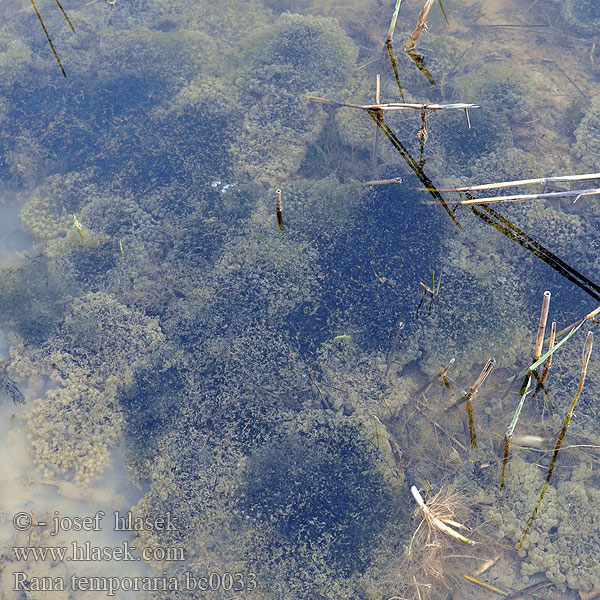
(10, 387)
(390, 34)
(519, 197)
(382, 181)
(487, 586)
(421, 24)
(539, 342)
(587, 350)
(492, 186)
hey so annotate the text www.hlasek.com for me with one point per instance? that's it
(86, 552)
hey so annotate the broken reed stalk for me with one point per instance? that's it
(391, 105)
(395, 69)
(571, 330)
(519, 197)
(539, 342)
(422, 134)
(390, 35)
(492, 186)
(65, 15)
(421, 24)
(487, 369)
(587, 350)
(441, 374)
(278, 209)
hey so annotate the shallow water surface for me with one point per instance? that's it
(259, 395)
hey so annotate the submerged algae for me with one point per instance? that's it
(318, 498)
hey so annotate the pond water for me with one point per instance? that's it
(253, 389)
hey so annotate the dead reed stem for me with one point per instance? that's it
(539, 342)
(392, 105)
(519, 197)
(487, 369)
(421, 24)
(492, 186)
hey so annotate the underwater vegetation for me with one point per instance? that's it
(257, 377)
(587, 136)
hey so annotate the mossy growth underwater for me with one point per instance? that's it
(253, 376)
